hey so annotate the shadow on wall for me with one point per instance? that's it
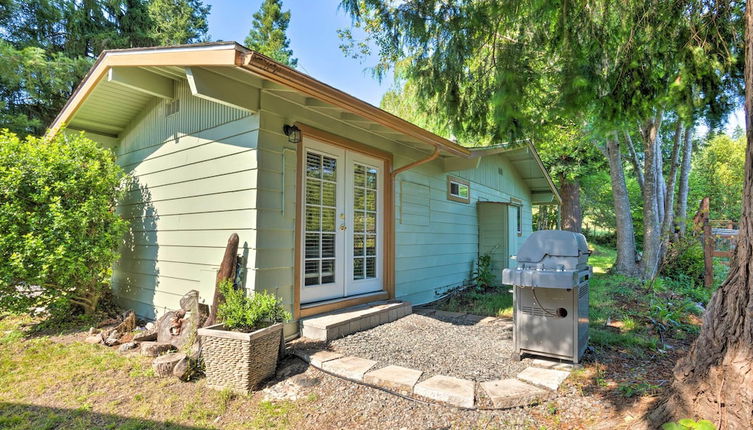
(21, 416)
(136, 275)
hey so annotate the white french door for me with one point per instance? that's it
(342, 217)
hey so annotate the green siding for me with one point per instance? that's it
(194, 182)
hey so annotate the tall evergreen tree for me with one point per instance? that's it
(268, 33)
(46, 47)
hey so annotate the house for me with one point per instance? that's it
(336, 202)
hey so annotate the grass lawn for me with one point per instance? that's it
(52, 382)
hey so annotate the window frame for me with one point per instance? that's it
(518, 205)
(460, 182)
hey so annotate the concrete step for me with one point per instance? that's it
(334, 325)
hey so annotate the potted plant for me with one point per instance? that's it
(242, 351)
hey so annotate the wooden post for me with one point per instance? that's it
(227, 271)
(708, 244)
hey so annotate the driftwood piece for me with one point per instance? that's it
(153, 349)
(145, 336)
(164, 364)
(227, 271)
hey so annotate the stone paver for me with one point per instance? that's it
(320, 357)
(455, 391)
(511, 393)
(394, 377)
(553, 364)
(342, 323)
(349, 367)
(547, 378)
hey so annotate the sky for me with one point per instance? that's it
(313, 38)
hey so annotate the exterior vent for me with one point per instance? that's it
(501, 171)
(172, 107)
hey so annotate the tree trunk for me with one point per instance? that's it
(542, 221)
(682, 198)
(651, 190)
(715, 379)
(572, 215)
(634, 160)
(669, 200)
(626, 261)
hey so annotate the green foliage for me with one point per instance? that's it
(175, 22)
(598, 203)
(46, 47)
(483, 275)
(59, 228)
(243, 313)
(686, 424)
(268, 33)
(683, 261)
(642, 388)
(718, 172)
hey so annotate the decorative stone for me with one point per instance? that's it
(93, 331)
(454, 391)
(127, 346)
(93, 339)
(149, 326)
(165, 364)
(153, 349)
(349, 367)
(547, 378)
(319, 357)
(511, 393)
(145, 336)
(394, 377)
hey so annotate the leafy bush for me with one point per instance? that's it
(59, 232)
(686, 424)
(684, 261)
(483, 275)
(243, 313)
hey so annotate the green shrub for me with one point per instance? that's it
(59, 232)
(243, 313)
(686, 424)
(483, 275)
(684, 261)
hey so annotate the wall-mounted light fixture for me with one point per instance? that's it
(292, 132)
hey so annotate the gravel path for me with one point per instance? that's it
(437, 346)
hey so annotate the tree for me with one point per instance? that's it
(57, 214)
(718, 174)
(714, 380)
(268, 33)
(176, 22)
(492, 64)
(48, 45)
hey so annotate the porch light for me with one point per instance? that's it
(292, 132)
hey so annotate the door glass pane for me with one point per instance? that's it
(321, 203)
(365, 181)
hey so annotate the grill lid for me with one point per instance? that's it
(555, 243)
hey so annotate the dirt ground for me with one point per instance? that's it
(60, 382)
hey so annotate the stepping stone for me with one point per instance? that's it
(547, 378)
(458, 392)
(511, 393)
(556, 365)
(394, 377)
(349, 367)
(317, 358)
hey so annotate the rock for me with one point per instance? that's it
(153, 349)
(127, 346)
(184, 368)
(149, 326)
(189, 301)
(93, 339)
(145, 336)
(164, 364)
(93, 331)
(176, 327)
(112, 338)
(128, 324)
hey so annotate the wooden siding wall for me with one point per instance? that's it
(436, 238)
(194, 182)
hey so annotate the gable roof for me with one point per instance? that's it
(122, 83)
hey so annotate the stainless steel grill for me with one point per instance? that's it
(550, 295)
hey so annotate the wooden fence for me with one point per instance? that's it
(719, 240)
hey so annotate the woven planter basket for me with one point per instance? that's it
(239, 361)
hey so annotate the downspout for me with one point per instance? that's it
(434, 155)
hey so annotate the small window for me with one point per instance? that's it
(458, 190)
(518, 209)
(173, 107)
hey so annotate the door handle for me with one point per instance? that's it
(343, 227)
